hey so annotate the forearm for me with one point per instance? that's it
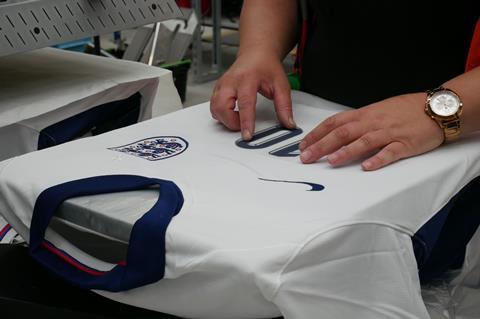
(268, 26)
(467, 86)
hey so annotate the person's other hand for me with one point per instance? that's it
(250, 74)
(392, 129)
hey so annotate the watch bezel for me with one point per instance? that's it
(430, 96)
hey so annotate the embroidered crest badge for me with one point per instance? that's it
(155, 148)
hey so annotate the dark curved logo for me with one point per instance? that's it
(314, 186)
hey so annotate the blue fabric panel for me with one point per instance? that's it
(145, 262)
(426, 237)
(459, 226)
(122, 113)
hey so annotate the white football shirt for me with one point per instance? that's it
(258, 233)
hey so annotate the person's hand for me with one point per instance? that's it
(250, 74)
(392, 129)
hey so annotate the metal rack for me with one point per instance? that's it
(32, 24)
(213, 70)
(202, 74)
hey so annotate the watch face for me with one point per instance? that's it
(444, 103)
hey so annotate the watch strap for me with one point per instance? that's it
(451, 128)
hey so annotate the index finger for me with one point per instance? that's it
(327, 126)
(247, 103)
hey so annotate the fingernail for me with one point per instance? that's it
(292, 123)
(306, 156)
(332, 158)
(246, 135)
(302, 146)
(367, 165)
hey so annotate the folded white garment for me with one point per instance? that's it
(44, 87)
(257, 233)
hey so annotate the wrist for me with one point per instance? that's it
(466, 123)
(467, 86)
(256, 53)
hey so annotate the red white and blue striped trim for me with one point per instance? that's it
(5, 231)
(71, 260)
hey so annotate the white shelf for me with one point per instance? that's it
(31, 24)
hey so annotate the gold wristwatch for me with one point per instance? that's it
(444, 107)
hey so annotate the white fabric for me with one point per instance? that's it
(43, 87)
(465, 289)
(246, 248)
(8, 237)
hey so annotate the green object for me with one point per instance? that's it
(294, 80)
(180, 75)
(175, 64)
